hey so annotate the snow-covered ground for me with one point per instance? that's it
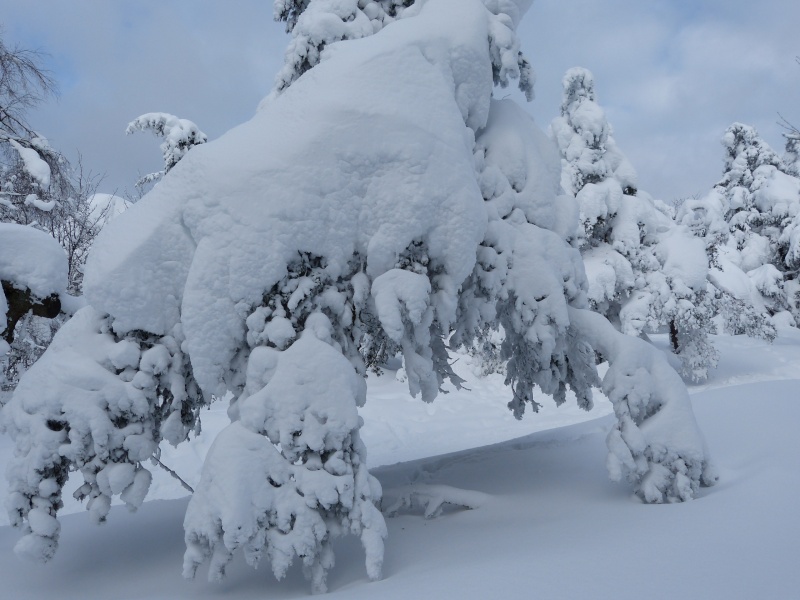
(553, 526)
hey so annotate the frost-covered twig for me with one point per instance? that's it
(184, 485)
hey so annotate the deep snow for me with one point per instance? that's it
(553, 526)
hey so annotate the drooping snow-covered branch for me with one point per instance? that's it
(291, 502)
(99, 404)
(656, 443)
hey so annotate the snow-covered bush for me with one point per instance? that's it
(406, 205)
(39, 188)
(645, 273)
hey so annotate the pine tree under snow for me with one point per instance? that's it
(645, 273)
(752, 230)
(404, 204)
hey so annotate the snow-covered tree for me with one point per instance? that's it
(791, 159)
(39, 189)
(406, 205)
(644, 272)
(179, 135)
(750, 223)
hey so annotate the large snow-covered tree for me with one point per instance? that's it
(404, 203)
(644, 272)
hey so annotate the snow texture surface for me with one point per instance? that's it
(737, 541)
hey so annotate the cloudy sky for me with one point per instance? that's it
(671, 74)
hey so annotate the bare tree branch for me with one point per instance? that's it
(24, 83)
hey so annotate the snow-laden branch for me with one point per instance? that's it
(656, 443)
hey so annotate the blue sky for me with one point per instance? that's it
(671, 74)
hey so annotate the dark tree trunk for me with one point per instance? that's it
(20, 302)
(673, 335)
